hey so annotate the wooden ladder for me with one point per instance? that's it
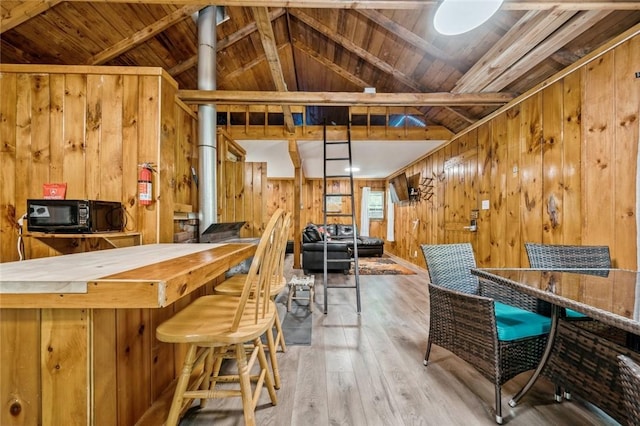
(338, 165)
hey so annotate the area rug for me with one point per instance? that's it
(380, 266)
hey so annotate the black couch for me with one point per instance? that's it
(339, 247)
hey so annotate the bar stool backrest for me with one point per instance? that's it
(256, 289)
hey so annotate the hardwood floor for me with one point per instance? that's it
(367, 370)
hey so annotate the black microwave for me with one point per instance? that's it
(74, 216)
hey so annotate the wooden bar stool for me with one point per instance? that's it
(221, 327)
(233, 287)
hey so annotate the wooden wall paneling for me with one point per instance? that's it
(103, 364)
(24, 179)
(56, 127)
(552, 201)
(40, 138)
(483, 241)
(149, 141)
(163, 364)
(133, 346)
(531, 173)
(512, 225)
(248, 228)
(572, 159)
(167, 161)
(9, 211)
(20, 387)
(111, 152)
(130, 144)
(75, 135)
(440, 194)
(471, 185)
(627, 138)
(501, 170)
(260, 202)
(95, 98)
(239, 195)
(63, 363)
(598, 152)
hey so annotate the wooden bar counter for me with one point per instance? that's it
(77, 332)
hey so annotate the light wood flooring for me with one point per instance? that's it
(367, 370)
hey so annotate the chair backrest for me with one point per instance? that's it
(449, 266)
(549, 256)
(282, 246)
(256, 289)
(630, 383)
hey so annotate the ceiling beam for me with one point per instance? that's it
(23, 12)
(354, 79)
(268, 38)
(530, 30)
(340, 98)
(143, 35)
(362, 53)
(397, 4)
(580, 23)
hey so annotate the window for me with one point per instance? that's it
(376, 204)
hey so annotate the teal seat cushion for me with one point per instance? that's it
(575, 315)
(515, 323)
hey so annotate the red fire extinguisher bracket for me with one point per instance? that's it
(145, 184)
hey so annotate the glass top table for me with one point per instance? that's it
(611, 296)
(608, 295)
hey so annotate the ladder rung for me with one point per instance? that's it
(339, 194)
(339, 214)
(338, 159)
(341, 286)
(337, 260)
(337, 176)
(336, 142)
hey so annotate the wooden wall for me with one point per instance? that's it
(89, 127)
(558, 165)
(279, 193)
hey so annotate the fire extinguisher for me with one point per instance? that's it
(145, 189)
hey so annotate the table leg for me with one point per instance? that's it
(292, 290)
(311, 298)
(555, 314)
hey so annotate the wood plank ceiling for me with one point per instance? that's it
(331, 46)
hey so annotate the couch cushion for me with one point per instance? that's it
(515, 323)
(345, 230)
(311, 234)
(370, 241)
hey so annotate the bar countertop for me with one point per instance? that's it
(146, 276)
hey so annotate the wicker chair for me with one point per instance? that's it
(630, 381)
(468, 318)
(548, 256)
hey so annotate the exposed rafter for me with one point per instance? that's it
(24, 12)
(580, 23)
(143, 35)
(359, 51)
(399, 4)
(530, 30)
(340, 98)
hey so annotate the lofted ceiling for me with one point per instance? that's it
(326, 46)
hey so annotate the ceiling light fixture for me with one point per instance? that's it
(455, 17)
(352, 169)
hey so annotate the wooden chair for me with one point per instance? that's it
(233, 287)
(218, 327)
(494, 329)
(630, 382)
